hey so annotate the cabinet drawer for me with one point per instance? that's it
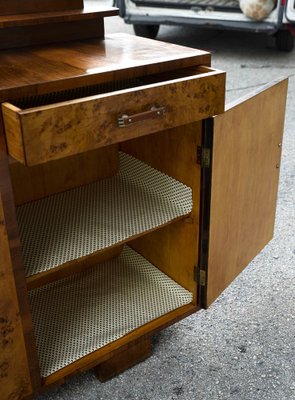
(38, 132)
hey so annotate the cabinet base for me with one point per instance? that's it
(132, 354)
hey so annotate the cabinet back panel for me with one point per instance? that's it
(173, 249)
(32, 183)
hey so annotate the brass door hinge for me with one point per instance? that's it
(204, 156)
(200, 276)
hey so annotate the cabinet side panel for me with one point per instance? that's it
(245, 174)
(14, 372)
(173, 249)
(19, 369)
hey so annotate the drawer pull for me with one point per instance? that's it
(154, 112)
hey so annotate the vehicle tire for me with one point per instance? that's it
(284, 40)
(147, 31)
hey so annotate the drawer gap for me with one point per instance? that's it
(76, 93)
(106, 87)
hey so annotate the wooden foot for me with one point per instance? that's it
(123, 359)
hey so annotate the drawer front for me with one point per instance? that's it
(45, 133)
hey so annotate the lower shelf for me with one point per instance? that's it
(80, 314)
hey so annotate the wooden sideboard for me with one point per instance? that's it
(129, 198)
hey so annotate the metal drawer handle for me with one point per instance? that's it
(154, 112)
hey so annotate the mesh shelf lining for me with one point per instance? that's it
(71, 94)
(81, 221)
(80, 314)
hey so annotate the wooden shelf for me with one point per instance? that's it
(88, 12)
(26, 6)
(35, 28)
(57, 230)
(118, 296)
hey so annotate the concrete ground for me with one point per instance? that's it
(243, 346)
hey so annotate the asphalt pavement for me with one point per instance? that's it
(243, 346)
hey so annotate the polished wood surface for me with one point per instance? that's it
(246, 158)
(19, 370)
(63, 129)
(131, 354)
(40, 18)
(174, 153)
(15, 376)
(58, 176)
(44, 69)
(26, 6)
(41, 28)
(244, 176)
(22, 36)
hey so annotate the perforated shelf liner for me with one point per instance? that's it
(77, 315)
(78, 222)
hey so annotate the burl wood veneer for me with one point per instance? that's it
(72, 101)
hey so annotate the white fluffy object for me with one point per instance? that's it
(257, 9)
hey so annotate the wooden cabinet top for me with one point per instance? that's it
(26, 6)
(42, 69)
(43, 17)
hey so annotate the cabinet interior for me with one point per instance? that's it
(143, 271)
(89, 310)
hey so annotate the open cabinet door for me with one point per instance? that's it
(244, 182)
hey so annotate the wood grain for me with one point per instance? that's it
(44, 69)
(14, 377)
(130, 355)
(173, 249)
(17, 378)
(63, 129)
(13, 132)
(73, 267)
(26, 6)
(90, 11)
(22, 36)
(246, 156)
(58, 176)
